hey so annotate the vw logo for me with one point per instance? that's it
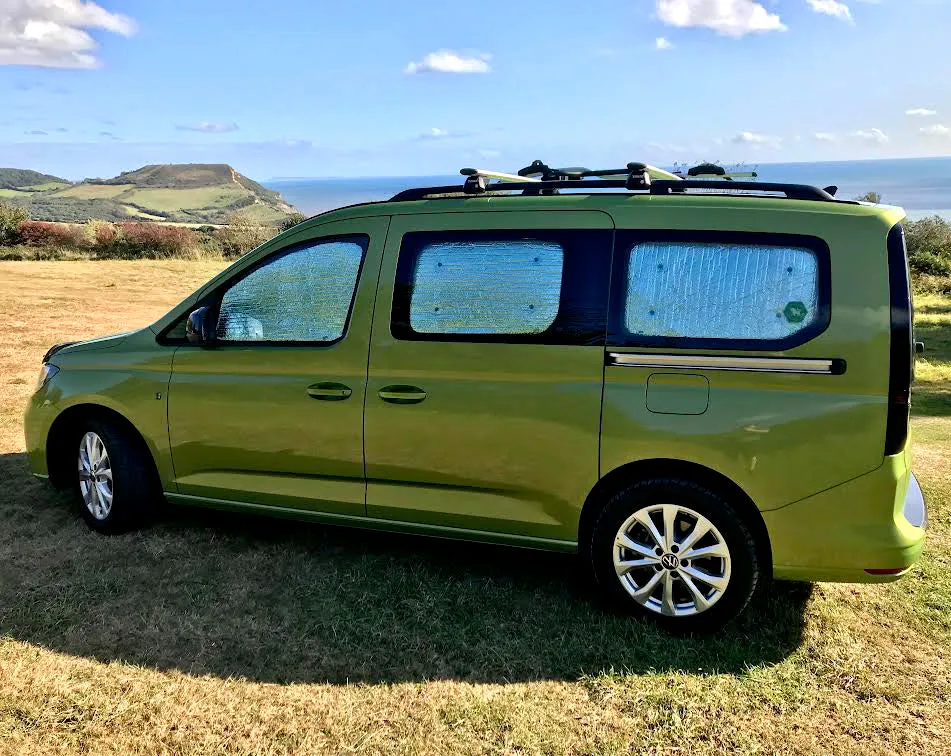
(670, 561)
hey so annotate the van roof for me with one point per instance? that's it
(606, 201)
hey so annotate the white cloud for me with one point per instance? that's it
(437, 133)
(662, 43)
(936, 130)
(489, 154)
(872, 135)
(733, 18)
(831, 8)
(210, 127)
(825, 136)
(757, 140)
(447, 61)
(52, 33)
(921, 112)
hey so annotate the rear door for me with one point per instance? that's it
(273, 413)
(754, 353)
(486, 369)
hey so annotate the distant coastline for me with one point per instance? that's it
(921, 185)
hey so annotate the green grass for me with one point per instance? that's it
(170, 200)
(95, 191)
(48, 186)
(933, 368)
(214, 633)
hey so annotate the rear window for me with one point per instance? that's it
(722, 292)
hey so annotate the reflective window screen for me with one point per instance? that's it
(494, 287)
(721, 291)
(304, 295)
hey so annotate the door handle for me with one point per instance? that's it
(329, 392)
(402, 394)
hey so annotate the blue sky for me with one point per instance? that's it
(316, 88)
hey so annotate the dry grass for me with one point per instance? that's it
(215, 633)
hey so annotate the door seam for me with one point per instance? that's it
(366, 382)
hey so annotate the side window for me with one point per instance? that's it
(496, 287)
(511, 286)
(755, 294)
(303, 294)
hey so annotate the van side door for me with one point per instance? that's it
(486, 371)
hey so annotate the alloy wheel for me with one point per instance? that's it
(672, 560)
(95, 476)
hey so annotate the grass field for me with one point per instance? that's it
(213, 633)
(95, 191)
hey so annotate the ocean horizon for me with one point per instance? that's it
(920, 185)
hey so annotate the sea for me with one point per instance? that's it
(920, 185)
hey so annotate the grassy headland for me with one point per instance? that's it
(186, 193)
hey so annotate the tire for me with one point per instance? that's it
(125, 490)
(728, 556)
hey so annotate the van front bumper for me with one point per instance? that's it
(868, 530)
(39, 416)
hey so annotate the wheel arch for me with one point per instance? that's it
(643, 469)
(60, 464)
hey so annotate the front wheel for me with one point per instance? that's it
(676, 553)
(115, 483)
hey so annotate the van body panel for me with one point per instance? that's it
(244, 426)
(780, 436)
(507, 437)
(840, 533)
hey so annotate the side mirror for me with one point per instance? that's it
(199, 328)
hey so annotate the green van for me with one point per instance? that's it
(694, 384)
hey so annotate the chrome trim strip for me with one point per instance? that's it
(734, 364)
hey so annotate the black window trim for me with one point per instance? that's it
(902, 347)
(618, 336)
(212, 300)
(595, 271)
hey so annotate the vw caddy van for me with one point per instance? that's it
(697, 385)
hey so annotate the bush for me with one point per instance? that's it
(56, 235)
(239, 238)
(11, 218)
(155, 240)
(925, 284)
(929, 246)
(291, 220)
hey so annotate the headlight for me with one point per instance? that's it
(46, 372)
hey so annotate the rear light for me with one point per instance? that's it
(915, 510)
(902, 357)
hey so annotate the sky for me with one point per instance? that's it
(300, 88)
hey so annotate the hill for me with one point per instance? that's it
(18, 178)
(186, 193)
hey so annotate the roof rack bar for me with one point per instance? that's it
(791, 191)
(422, 192)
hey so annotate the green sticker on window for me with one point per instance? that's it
(795, 312)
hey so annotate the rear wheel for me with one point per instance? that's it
(115, 483)
(675, 553)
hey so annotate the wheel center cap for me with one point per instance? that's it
(670, 561)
